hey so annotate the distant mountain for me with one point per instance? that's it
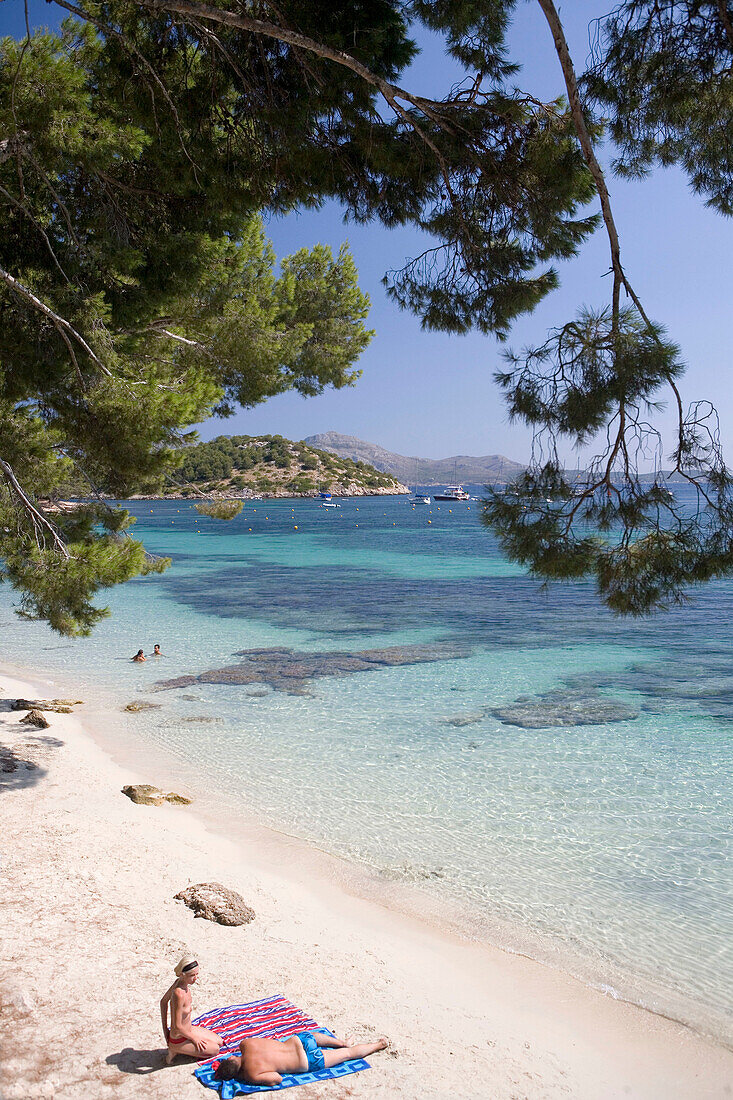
(426, 471)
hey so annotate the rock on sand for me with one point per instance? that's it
(212, 901)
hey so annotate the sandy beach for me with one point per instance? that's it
(91, 931)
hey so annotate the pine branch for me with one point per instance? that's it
(38, 520)
(586, 144)
(57, 321)
(390, 92)
(726, 21)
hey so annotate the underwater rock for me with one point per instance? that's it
(200, 718)
(140, 704)
(230, 674)
(564, 708)
(465, 719)
(289, 670)
(143, 794)
(215, 902)
(35, 718)
(178, 682)
(708, 686)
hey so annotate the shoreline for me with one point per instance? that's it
(267, 494)
(456, 916)
(456, 1011)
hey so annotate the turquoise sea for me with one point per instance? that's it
(601, 843)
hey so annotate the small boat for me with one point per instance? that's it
(452, 492)
(329, 504)
(418, 498)
(324, 494)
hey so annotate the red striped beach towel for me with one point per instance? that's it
(275, 1017)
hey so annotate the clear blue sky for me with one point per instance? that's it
(432, 395)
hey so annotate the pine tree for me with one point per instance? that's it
(171, 124)
(138, 295)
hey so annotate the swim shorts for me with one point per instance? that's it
(313, 1052)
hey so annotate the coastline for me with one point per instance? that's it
(93, 932)
(246, 495)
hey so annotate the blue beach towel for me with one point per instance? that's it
(273, 1017)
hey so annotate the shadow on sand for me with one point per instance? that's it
(141, 1062)
(17, 773)
(19, 762)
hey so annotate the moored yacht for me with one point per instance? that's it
(452, 492)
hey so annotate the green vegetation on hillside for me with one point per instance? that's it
(271, 464)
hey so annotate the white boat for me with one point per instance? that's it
(452, 492)
(329, 504)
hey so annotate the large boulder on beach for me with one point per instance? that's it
(143, 794)
(35, 718)
(215, 902)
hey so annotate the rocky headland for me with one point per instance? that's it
(243, 466)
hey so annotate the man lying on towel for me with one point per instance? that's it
(263, 1061)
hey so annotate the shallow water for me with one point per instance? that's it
(606, 846)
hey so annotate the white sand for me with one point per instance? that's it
(90, 931)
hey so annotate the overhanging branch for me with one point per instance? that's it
(58, 321)
(41, 525)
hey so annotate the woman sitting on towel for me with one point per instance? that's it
(183, 1037)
